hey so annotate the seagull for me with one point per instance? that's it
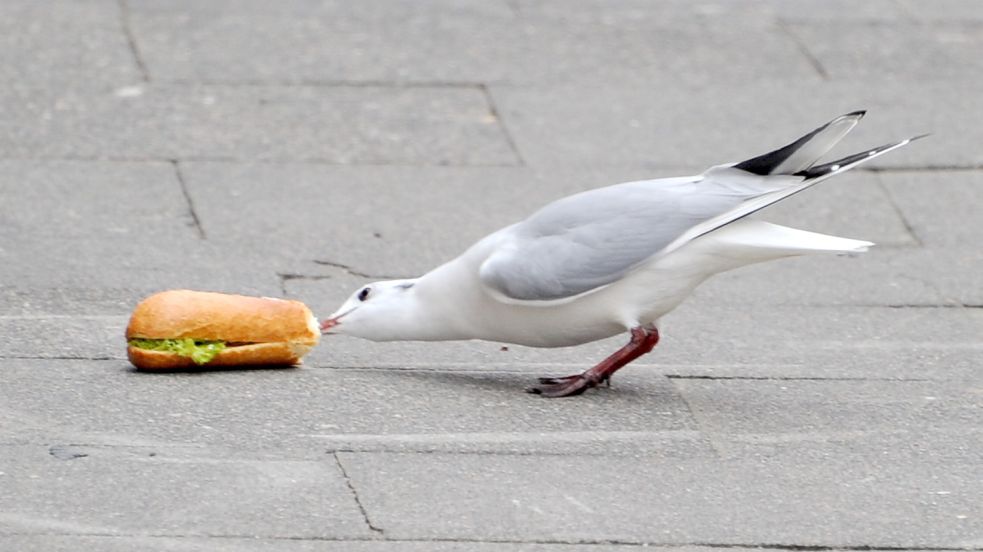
(608, 260)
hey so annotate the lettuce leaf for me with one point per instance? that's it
(199, 351)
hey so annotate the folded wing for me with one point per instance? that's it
(587, 241)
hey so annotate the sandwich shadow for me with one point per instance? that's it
(209, 369)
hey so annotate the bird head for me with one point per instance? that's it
(380, 311)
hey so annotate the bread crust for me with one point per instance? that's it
(259, 354)
(272, 331)
(211, 316)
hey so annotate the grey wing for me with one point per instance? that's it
(589, 240)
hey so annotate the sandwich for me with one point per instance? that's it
(184, 329)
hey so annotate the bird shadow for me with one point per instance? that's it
(508, 383)
(499, 381)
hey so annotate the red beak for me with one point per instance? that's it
(328, 324)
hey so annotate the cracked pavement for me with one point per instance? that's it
(302, 148)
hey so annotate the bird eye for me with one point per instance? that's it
(364, 294)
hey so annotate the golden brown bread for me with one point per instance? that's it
(220, 316)
(259, 330)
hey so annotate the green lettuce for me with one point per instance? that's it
(199, 351)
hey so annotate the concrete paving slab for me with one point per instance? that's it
(59, 336)
(852, 501)
(75, 199)
(111, 492)
(55, 268)
(795, 334)
(902, 277)
(919, 445)
(29, 301)
(458, 42)
(624, 124)
(734, 407)
(955, 272)
(332, 124)
(906, 364)
(882, 276)
(865, 327)
(307, 41)
(874, 11)
(61, 43)
(940, 207)
(384, 221)
(305, 412)
(943, 10)
(638, 13)
(681, 41)
(883, 49)
(853, 205)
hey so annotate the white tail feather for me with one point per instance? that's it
(746, 242)
(780, 241)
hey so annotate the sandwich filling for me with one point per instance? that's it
(199, 351)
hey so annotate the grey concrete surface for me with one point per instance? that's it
(59, 43)
(442, 125)
(303, 148)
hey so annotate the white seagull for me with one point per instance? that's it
(601, 262)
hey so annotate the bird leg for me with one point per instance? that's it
(642, 341)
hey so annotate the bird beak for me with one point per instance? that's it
(328, 324)
(334, 321)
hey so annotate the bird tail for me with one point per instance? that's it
(745, 242)
(792, 168)
(772, 240)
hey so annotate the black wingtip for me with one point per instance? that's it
(919, 137)
(850, 160)
(766, 164)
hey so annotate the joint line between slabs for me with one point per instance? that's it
(355, 272)
(196, 221)
(817, 65)
(493, 110)
(902, 217)
(701, 424)
(358, 501)
(131, 40)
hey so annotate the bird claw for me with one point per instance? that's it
(642, 341)
(563, 379)
(566, 386)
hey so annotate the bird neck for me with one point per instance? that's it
(433, 311)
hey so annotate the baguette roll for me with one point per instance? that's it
(183, 329)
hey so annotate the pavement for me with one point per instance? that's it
(301, 148)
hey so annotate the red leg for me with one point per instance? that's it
(642, 341)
